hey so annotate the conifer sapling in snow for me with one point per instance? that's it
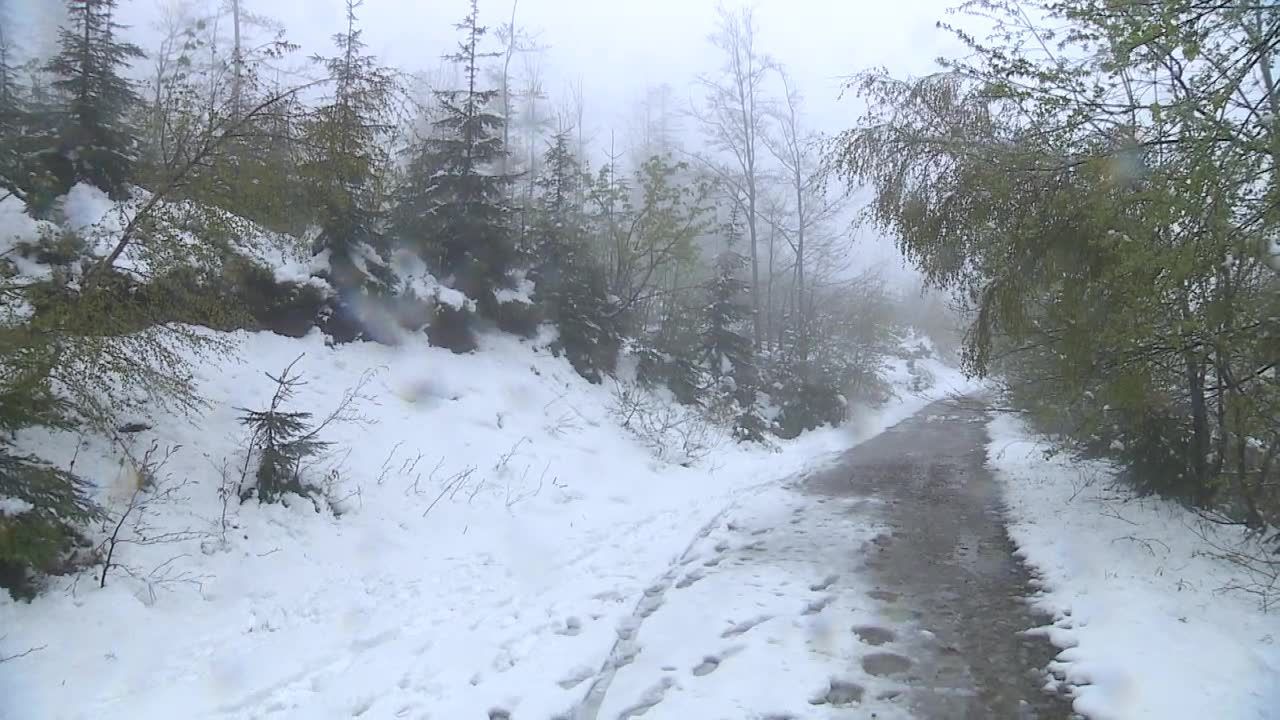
(281, 441)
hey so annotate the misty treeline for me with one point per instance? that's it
(447, 203)
(1098, 183)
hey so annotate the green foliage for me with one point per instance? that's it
(1105, 231)
(38, 539)
(667, 351)
(346, 167)
(450, 327)
(40, 535)
(570, 284)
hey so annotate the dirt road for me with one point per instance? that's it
(881, 586)
(947, 567)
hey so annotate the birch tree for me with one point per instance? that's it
(733, 118)
(804, 174)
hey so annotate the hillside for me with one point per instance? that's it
(486, 512)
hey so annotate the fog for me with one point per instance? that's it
(618, 51)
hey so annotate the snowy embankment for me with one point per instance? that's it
(1143, 612)
(495, 525)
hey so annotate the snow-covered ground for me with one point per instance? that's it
(497, 529)
(1142, 611)
(754, 620)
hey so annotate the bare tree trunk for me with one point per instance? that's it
(745, 78)
(768, 304)
(735, 116)
(802, 329)
(579, 112)
(237, 62)
(506, 92)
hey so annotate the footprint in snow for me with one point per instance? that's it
(817, 606)
(707, 666)
(882, 664)
(884, 595)
(826, 583)
(651, 697)
(572, 627)
(873, 635)
(839, 693)
(745, 626)
(649, 605)
(576, 677)
(690, 579)
(711, 662)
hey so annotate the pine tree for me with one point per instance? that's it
(10, 110)
(346, 165)
(94, 143)
(728, 353)
(48, 507)
(570, 284)
(453, 207)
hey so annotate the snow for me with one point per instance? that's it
(13, 507)
(1137, 596)
(753, 619)
(418, 280)
(15, 225)
(290, 261)
(497, 529)
(89, 212)
(85, 208)
(521, 293)
(16, 230)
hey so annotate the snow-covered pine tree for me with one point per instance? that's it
(570, 284)
(94, 143)
(345, 168)
(453, 206)
(727, 352)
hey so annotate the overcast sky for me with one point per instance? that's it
(617, 48)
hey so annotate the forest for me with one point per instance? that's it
(448, 203)
(463, 388)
